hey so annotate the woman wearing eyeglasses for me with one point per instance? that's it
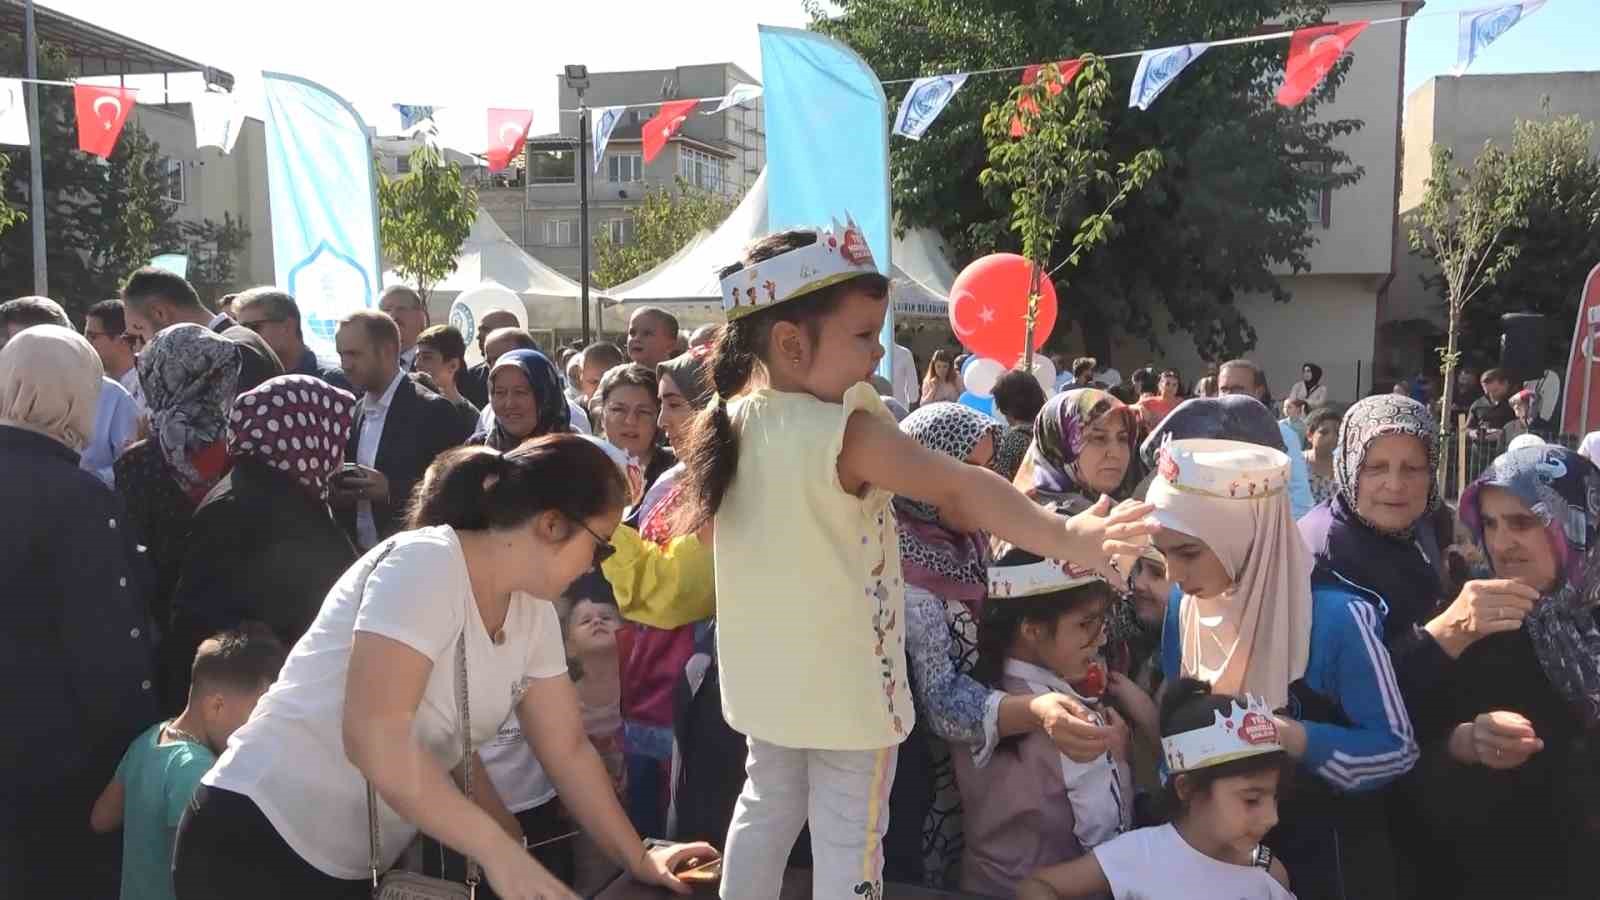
(629, 409)
(370, 696)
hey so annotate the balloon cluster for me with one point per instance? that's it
(988, 313)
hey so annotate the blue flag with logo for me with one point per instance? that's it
(827, 143)
(324, 205)
(924, 101)
(1160, 68)
(1478, 28)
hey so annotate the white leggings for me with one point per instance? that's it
(845, 794)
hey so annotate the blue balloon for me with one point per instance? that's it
(984, 405)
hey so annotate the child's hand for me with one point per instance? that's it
(1101, 532)
(1135, 704)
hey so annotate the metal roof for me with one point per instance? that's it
(96, 51)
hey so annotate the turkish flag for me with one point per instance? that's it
(101, 114)
(1313, 52)
(664, 125)
(507, 129)
(1067, 69)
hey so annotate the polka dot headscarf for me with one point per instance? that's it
(296, 424)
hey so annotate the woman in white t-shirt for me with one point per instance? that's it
(369, 694)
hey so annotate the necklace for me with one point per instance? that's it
(176, 732)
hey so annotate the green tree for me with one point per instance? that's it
(1549, 163)
(1045, 174)
(663, 223)
(10, 214)
(424, 217)
(1229, 205)
(1462, 225)
(213, 249)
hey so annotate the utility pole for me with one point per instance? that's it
(41, 276)
(578, 79)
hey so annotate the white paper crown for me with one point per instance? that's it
(1041, 577)
(1230, 470)
(840, 252)
(1247, 731)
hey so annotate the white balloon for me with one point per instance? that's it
(474, 303)
(1045, 371)
(981, 375)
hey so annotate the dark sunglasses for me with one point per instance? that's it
(603, 548)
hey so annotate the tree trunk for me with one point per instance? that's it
(1447, 399)
(1026, 364)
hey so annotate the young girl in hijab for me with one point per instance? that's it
(796, 462)
(1223, 792)
(1244, 617)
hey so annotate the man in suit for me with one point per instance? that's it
(400, 428)
(275, 316)
(474, 382)
(405, 307)
(155, 298)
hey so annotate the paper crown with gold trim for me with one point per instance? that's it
(1044, 576)
(840, 253)
(1230, 470)
(1247, 730)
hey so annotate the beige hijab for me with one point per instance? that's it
(1255, 637)
(50, 384)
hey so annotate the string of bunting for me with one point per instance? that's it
(1313, 51)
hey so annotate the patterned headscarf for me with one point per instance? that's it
(548, 398)
(296, 424)
(189, 375)
(1049, 472)
(1563, 490)
(1373, 418)
(949, 564)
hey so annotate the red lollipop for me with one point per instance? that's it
(989, 307)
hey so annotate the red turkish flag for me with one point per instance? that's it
(507, 129)
(664, 125)
(1067, 69)
(1313, 52)
(101, 114)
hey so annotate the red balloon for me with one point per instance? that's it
(989, 307)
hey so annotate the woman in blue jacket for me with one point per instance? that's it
(1245, 617)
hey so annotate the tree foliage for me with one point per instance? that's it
(212, 249)
(663, 223)
(1044, 173)
(424, 217)
(1227, 208)
(10, 213)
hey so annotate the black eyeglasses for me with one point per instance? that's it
(603, 548)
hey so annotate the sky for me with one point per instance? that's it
(478, 53)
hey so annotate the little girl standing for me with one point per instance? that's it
(795, 460)
(1225, 767)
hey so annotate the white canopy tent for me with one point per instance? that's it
(489, 255)
(686, 283)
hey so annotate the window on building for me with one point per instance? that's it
(551, 167)
(402, 164)
(559, 232)
(624, 168)
(172, 176)
(1319, 206)
(700, 169)
(620, 231)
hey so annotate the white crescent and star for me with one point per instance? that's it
(116, 110)
(956, 325)
(516, 131)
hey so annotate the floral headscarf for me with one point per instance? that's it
(1373, 418)
(188, 375)
(1563, 490)
(296, 424)
(548, 397)
(952, 565)
(1049, 472)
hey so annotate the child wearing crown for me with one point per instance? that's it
(1225, 765)
(795, 462)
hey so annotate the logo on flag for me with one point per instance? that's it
(322, 285)
(1313, 52)
(412, 116)
(1158, 69)
(1478, 28)
(101, 114)
(508, 128)
(13, 116)
(664, 125)
(741, 93)
(924, 101)
(604, 120)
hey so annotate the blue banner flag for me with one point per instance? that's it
(924, 101)
(411, 116)
(1478, 28)
(1160, 68)
(827, 143)
(602, 120)
(324, 205)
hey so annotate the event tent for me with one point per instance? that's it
(490, 255)
(686, 283)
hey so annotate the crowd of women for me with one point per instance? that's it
(1064, 654)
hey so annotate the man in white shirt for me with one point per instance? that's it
(105, 326)
(906, 383)
(400, 427)
(410, 314)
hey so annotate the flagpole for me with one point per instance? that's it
(41, 275)
(583, 215)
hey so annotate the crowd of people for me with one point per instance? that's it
(716, 606)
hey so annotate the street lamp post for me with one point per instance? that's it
(578, 79)
(41, 275)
